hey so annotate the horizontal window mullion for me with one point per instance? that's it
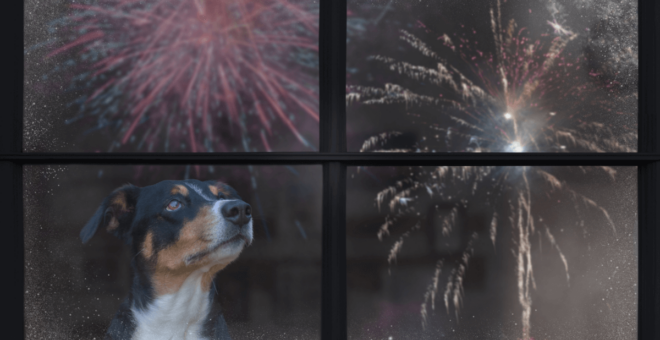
(373, 159)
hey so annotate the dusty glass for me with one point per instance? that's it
(73, 290)
(171, 76)
(492, 252)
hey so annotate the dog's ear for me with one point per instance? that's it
(115, 214)
(217, 187)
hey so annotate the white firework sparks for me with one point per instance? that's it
(525, 97)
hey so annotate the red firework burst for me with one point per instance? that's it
(173, 71)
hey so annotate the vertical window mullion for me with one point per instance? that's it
(332, 72)
(11, 210)
(11, 172)
(649, 174)
(11, 84)
(333, 299)
(649, 252)
(649, 77)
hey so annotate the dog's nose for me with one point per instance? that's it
(237, 212)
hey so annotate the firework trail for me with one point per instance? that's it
(192, 75)
(506, 187)
(525, 96)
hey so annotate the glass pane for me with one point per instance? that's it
(158, 247)
(492, 253)
(171, 76)
(492, 76)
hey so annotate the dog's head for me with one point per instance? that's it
(176, 227)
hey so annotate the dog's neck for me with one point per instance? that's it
(178, 315)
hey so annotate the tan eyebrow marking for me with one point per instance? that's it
(223, 190)
(214, 190)
(179, 189)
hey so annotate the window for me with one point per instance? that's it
(338, 165)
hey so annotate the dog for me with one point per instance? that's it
(180, 234)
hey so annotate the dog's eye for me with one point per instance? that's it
(174, 205)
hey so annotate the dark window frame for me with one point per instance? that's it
(335, 159)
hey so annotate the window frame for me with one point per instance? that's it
(335, 159)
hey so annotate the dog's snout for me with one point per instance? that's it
(237, 212)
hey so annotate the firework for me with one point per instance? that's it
(192, 75)
(507, 188)
(527, 95)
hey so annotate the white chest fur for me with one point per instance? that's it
(178, 316)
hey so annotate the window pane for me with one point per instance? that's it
(74, 290)
(171, 76)
(492, 76)
(492, 253)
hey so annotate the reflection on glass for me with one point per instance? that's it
(492, 76)
(492, 253)
(171, 75)
(155, 242)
